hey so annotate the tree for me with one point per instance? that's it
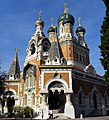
(3, 76)
(104, 47)
(2, 87)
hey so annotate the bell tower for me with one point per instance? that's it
(66, 23)
(80, 31)
(38, 45)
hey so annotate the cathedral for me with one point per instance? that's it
(57, 74)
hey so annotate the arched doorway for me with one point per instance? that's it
(95, 100)
(9, 96)
(56, 97)
(9, 93)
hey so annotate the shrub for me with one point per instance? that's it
(27, 111)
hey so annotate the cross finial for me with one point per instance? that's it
(52, 21)
(66, 12)
(16, 49)
(40, 14)
(65, 7)
(79, 21)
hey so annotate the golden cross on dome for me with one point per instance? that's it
(66, 10)
(65, 7)
(52, 21)
(40, 14)
(79, 21)
(16, 49)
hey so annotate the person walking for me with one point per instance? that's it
(51, 114)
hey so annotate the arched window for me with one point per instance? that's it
(62, 29)
(32, 49)
(33, 99)
(34, 81)
(31, 81)
(77, 56)
(55, 60)
(105, 97)
(90, 99)
(26, 84)
(81, 97)
(25, 99)
(95, 99)
(20, 100)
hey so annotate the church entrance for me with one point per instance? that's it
(56, 98)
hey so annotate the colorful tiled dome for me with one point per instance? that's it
(66, 18)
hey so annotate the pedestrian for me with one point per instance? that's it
(51, 114)
(30, 116)
(23, 116)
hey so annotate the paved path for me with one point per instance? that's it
(63, 117)
(95, 118)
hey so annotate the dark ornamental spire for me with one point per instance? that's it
(55, 53)
(14, 71)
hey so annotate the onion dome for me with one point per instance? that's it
(66, 18)
(52, 29)
(69, 20)
(39, 22)
(80, 29)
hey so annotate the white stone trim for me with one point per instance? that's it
(70, 80)
(10, 89)
(58, 80)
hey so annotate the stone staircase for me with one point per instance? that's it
(60, 116)
(55, 111)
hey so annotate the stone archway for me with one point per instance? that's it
(56, 96)
(60, 86)
(9, 101)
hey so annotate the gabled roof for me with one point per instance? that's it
(15, 68)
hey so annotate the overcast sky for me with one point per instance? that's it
(17, 24)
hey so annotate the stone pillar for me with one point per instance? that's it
(44, 109)
(5, 107)
(104, 111)
(44, 99)
(68, 99)
(69, 108)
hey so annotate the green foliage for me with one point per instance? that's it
(2, 85)
(27, 111)
(19, 111)
(105, 42)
